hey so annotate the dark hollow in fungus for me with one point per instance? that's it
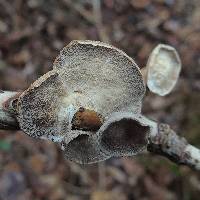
(125, 136)
(82, 150)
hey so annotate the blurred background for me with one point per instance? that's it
(32, 32)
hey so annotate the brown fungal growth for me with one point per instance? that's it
(86, 120)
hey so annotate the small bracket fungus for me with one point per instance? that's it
(90, 103)
(90, 80)
(163, 69)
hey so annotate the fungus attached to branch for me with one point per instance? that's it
(90, 80)
(90, 104)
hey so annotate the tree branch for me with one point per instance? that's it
(165, 142)
(7, 117)
(168, 144)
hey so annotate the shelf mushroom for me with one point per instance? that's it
(90, 103)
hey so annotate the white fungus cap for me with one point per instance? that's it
(100, 77)
(163, 69)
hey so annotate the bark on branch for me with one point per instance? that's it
(8, 119)
(165, 142)
(168, 144)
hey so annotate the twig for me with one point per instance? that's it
(98, 21)
(168, 144)
(94, 18)
(83, 12)
(165, 142)
(7, 118)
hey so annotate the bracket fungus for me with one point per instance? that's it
(90, 103)
(163, 69)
